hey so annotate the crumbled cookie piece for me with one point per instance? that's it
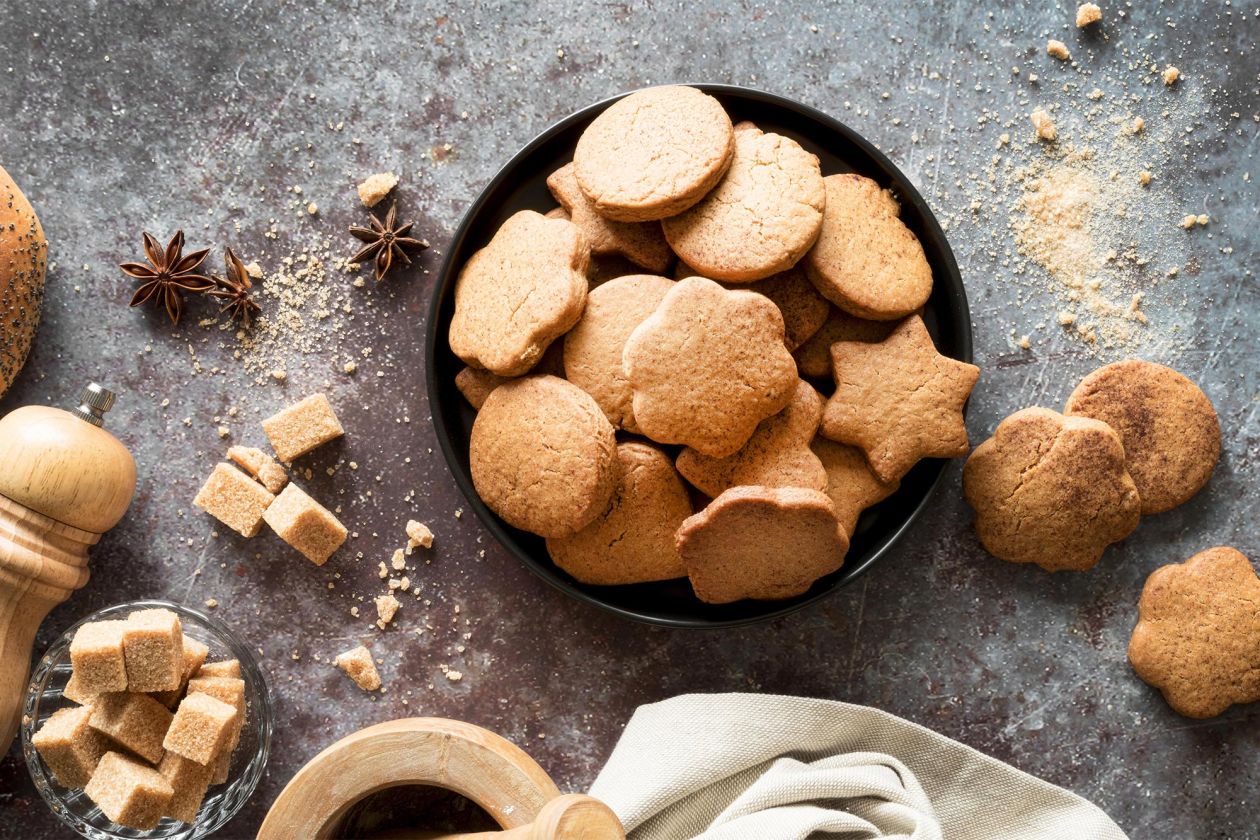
(1044, 125)
(1057, 49)
(1088, 13)
(386, 608)
(418, 534)
(1171, 75)
(357, 663)
(376, 187)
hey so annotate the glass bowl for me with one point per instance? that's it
(222, 802)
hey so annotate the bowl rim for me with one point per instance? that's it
(906, 192)
(233, 795)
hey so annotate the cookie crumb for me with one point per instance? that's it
(1044, 125)
(376, 187)
(1025, 343)
(399, 560)
(1189, 220)
(1171, 75)
(1057, 49)
(1088, 13)
(1144, 178)
(1138, 125)
(1066, 318)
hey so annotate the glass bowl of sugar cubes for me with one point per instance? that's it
(145, 720)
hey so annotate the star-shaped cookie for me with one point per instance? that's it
(1198, 633)
(898, 400)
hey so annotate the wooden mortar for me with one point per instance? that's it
(488, 770)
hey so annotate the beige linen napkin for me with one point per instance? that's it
(766, 767)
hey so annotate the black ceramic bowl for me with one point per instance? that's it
(521, 185)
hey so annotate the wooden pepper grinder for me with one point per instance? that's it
(64, 481)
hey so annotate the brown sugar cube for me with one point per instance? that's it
(135, 721)
(302, 426)
(195, 654)
(234, 499)
(129, 793)
(261, 466)
(153, 645)
(96, 657)
(201, 728)
(70, 747)
(189, 781)
(230, 690)
(76, 693)
(221, 767)
(357, 662)
(305, 524)
(226, 668)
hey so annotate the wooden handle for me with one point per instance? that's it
(41, 562)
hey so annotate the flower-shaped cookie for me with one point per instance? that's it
(1198, 633)
(707, 366)
(519, 293)
(777, 455)
(1051, 490)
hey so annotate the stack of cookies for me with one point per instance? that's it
(653, 360)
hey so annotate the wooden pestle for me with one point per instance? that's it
(64, 481)
(573, 816)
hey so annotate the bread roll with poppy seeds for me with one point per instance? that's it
(23, 258)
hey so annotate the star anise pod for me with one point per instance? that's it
(234, 290)
(169, 271)
(386, 242)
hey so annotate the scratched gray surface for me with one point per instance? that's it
(122, 117)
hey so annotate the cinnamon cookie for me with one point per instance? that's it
(707, 366)
(1171, 435)
(762, 217)
(654, 153)
(1198, 633)
(851, 485)
(633, 540)
(813, 357)
(1051, 490)
(761, 542)
(543, 456)
(899, 400)
(643, 243)
(804, 310)
(777, 455)
(476, 385)
(519, 293)
(610, 267)
(592, 351)
(866, 261)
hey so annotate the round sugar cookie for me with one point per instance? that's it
(1170, 431)
(633, 540)
(763, 216)
(592, 349)
(654, 153)
(543, 456)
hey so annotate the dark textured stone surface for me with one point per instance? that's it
(118, 118)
